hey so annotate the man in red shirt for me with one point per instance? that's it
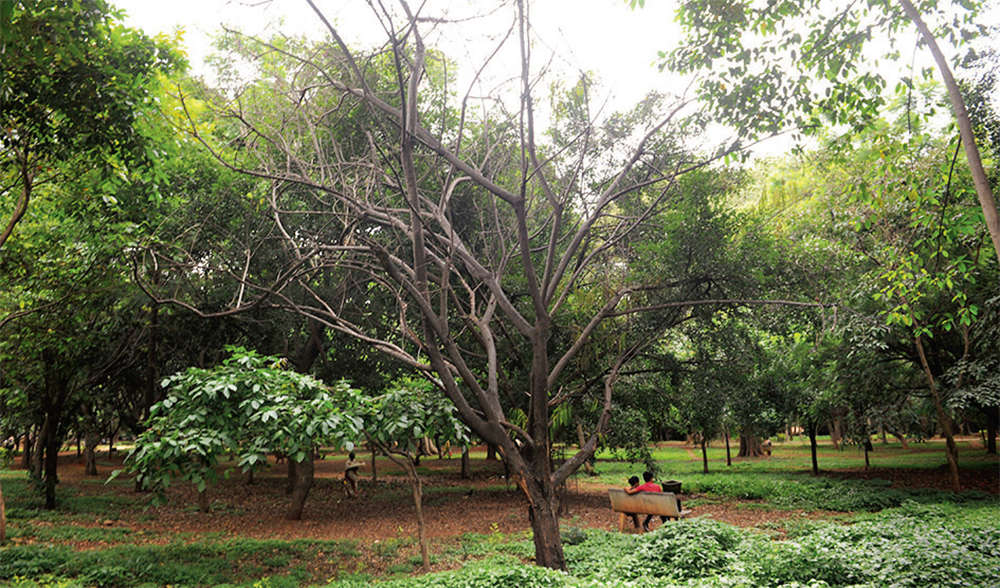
(648, 485)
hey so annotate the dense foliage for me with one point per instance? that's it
(915, 545)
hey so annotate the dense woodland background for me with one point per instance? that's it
(572, 282)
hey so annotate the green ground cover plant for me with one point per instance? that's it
(204, 563)
(883, 536)
(913, 545)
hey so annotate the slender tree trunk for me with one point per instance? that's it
(91, 439)
(38, 453)
(729, 457)
(204, 504)
(465, 462)
(587, 466)
(303, 483)
(813, 426)
(491, 452)
(3, 518)
(704, 454)
(51, 467)
(22, 203)
(56, 389)
(951, 450)
(418, 503)
(992, 419)
(150, 393)
(983, 190)
(26, 454)
(374, 470)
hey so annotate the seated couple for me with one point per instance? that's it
(648, 485)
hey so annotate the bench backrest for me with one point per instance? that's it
(655, 503)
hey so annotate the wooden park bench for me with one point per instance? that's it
(647, 503)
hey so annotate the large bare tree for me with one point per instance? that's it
(504, 258)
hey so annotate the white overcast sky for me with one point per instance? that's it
(599, 36)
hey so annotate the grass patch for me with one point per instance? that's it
(198, 564)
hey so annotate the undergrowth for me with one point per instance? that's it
(914, 545)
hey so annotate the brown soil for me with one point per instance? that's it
(452, 506)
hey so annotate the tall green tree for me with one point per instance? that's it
(76, 144)
(73, 85)
(770, 67)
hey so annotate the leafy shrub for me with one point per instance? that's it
(680, 551)
(916, 545)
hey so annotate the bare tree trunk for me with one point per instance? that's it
(52, 446)
(837, 432)
(150, 387)
(3, 518)
(983, 190)
(951, 450)
(374, 470)
(813, 426)
(38, 453)
(418, 503)
(204, 504)
(545, 531)
(91, 439)
(587, 466)
(55, 396)
(704, 454)
(465, 462)
(992, 418)
(750, 446)
(303, 483)
(729, 457)
(26, 454)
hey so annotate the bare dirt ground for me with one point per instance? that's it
(452, 506)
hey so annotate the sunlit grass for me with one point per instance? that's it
(677, 461)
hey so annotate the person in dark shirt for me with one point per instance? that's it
(633, 483)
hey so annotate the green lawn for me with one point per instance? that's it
(881, 536)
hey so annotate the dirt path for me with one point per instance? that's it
(452, 506)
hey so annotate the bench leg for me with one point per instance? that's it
(621, 522)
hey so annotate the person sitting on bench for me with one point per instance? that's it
(633, 483)
(648, 486)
